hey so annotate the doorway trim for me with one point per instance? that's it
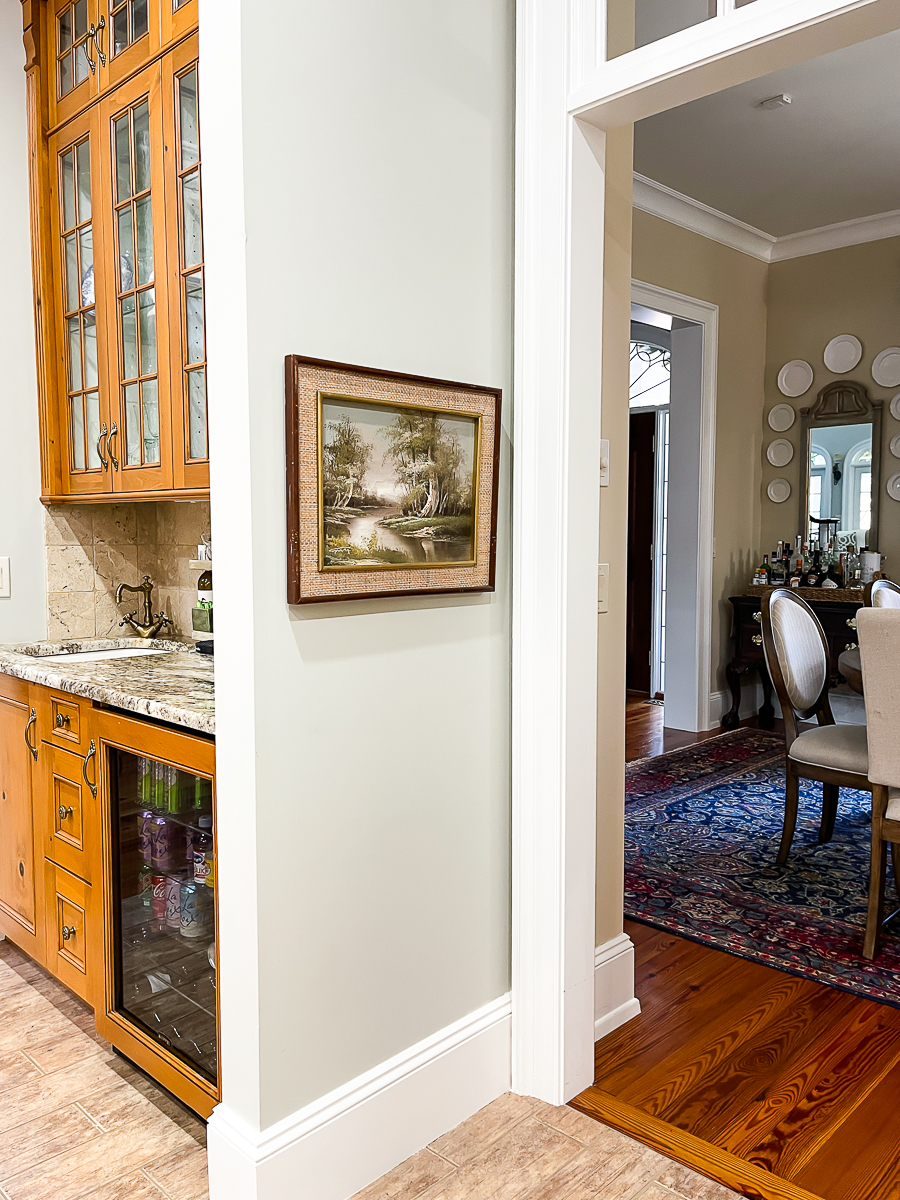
(707, 316)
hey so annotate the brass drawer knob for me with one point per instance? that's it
(757, 639)
(65, 812)
(68, 931)
(851, 646)
(62, 720)
(851, 621)
(757, 617)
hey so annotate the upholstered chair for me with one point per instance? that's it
(836, 755)
(879, 648)
(882, 594)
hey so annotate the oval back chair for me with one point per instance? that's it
(882, 594)
(796, 654)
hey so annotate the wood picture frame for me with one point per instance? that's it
(392, 483)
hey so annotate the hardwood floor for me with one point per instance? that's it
(776, 1086)
(646, 735)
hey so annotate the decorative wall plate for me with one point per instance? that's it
(886, 367)
(779, 490)
(895, 407)
(893, 486)
(842, 353)
(780, 452)
(895, 446)
(796, 377)
(783, 416)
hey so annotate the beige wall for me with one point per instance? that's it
(674, 258)
(811, 300)
(92, 548)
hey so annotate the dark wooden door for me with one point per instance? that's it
(641, 483)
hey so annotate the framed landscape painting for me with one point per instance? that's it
(391, 483)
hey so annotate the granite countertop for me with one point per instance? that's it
(177, 686)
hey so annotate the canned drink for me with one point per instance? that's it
(194, 911)
(160, 835)
(173, 902)
(145, 835)
(145, 885)
(158, 898)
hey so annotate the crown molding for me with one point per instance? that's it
(664, 202)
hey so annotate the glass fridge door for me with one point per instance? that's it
(164, 876)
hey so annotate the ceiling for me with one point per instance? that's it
(833, 155)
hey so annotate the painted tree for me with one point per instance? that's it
(345, 460)
(427, 461)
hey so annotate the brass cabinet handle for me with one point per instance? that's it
(61, 720)
(851, 646)
(103, 434)
(65, 812)
(113, 432)
(31, 721)
(757, 639)
(92, 33)
(757, 617)
(851, 621)
(67, 932)
(87, 758)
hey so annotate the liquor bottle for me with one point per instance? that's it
(763, 574)
(833, 577)
(814, 573)
(796, 579)
(777, 570)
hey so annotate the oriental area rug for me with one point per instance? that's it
(702, 829)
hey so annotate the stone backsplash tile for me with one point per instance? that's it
(91, 549)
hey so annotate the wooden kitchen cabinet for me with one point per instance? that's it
(21, 892)
(117, 248)
(79, 889)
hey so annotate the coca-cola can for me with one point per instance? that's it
(158, 901)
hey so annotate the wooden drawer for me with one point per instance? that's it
(70, 816)
(71, 930)
(63, 720)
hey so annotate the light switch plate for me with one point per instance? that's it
(603, 588)
(4, 577)
(604, 462)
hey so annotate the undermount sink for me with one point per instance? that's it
(102, 655)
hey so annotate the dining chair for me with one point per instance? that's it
(879, 649)
(882, 594)
(796, 654)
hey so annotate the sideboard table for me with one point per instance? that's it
(836, 608)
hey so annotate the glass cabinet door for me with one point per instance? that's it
(139, 445)
(186, 274)
(164, 912)
(83, 413)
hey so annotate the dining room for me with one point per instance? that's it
(761, 892)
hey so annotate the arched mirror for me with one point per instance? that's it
(841, 445)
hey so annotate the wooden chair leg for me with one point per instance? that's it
(831, 794)
(877, 873)
(791, 804)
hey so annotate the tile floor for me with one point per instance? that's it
(75, 1119)
(79, 1123)
(522, 1149)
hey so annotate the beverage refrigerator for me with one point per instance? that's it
(161, 1002)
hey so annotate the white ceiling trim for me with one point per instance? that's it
(661, 201)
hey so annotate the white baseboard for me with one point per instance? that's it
(614, 998)
(751, 699)
(349, 1138)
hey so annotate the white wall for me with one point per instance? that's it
(23, 614)
(358, 206)
(682, 638)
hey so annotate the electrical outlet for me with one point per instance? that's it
(4, 577)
